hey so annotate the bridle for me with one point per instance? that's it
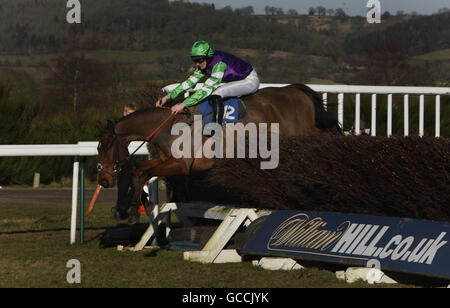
(117, 164)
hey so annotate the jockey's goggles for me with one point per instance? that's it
(198, 59)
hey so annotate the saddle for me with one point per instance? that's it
(234, 110)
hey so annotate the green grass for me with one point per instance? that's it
(135, 57)
(31, 60)
(320, 81)
(443, 54)
(121, 56)
(34, 250)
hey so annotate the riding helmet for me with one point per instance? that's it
(202, 49)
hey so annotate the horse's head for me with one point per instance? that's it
(111, 154)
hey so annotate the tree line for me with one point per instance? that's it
(30, 27)
(63, 109)
(319, 11)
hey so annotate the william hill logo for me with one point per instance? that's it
(356, 240)
(299, 231)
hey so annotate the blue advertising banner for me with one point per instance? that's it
(398, 244)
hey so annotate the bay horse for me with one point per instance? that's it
(297, 108)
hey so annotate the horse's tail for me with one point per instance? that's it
(323, 118)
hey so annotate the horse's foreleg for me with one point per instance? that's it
(142, 174)
(170, 167)
(140, 177)
(148, 164)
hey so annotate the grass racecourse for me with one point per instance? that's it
(35, 249)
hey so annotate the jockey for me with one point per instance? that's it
(228, 76)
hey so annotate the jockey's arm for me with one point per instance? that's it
(186, 85)
(210, 85)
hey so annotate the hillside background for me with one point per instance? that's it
(57, 79)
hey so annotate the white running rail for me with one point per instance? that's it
(76, 150)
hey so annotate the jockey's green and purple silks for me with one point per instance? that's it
(224, 67)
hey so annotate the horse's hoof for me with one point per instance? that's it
(134, 217)
(132, 220)
(119, 215)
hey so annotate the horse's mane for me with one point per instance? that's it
(146, 110)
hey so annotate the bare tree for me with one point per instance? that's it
(321, 11)
(227, 9)
(388, 63)
(279, 11)
(248, 10)
(340, 13)
(80, 82)
(386, 15)
(269, 10)
(443, 10)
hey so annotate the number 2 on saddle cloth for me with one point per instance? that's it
(234, 110)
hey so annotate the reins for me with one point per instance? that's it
(153, 133)
(116, 146)
(117, 162)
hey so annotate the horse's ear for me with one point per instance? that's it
(110, 125)
(99, 125)
(160, 94)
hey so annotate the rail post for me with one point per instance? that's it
(73, 221)
(82, 178)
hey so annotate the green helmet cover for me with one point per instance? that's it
(201, 49)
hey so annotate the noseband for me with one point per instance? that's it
(117, 164)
